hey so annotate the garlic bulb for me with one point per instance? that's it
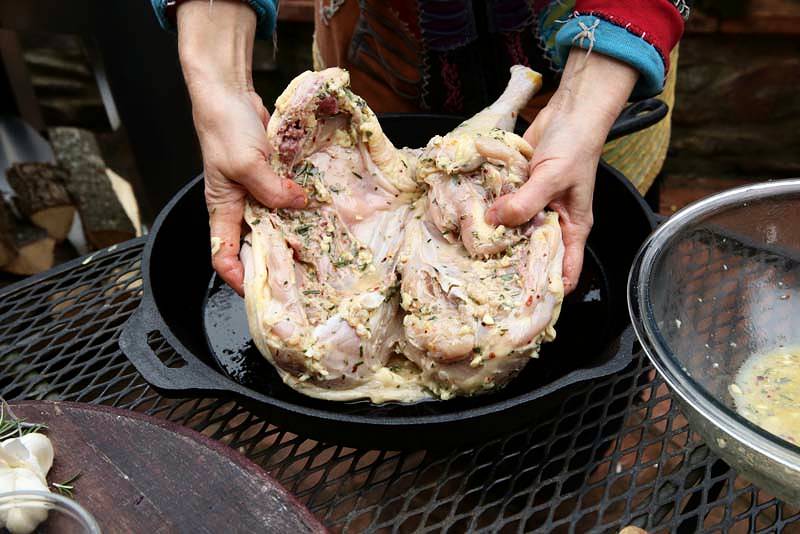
(24, 463)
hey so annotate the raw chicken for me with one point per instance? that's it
(473, 323)
(481, 159)
(479, 300)
(321, 284)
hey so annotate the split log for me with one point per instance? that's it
(8, 249)
(102, 215)
(42, 196)
(34, 250)
(124, 191)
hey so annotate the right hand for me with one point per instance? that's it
(231, 122)
(567, 138)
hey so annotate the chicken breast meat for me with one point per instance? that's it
(390, 285)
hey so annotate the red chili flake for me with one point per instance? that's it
(492, 355)
(529, 301)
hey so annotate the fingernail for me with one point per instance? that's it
(299, 202)
(491, 218)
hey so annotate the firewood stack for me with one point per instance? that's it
(48, 197)
(104, 219)
(42, 196)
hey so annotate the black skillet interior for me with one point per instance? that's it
(588, 322)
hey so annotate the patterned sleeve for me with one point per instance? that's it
(266, 11)
(638, 32)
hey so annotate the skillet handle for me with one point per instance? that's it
(617, 356)
(638, 116)
(181, 374)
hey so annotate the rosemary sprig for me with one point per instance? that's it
(67, 487)
(12, 427)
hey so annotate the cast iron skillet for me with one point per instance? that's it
(594, 337)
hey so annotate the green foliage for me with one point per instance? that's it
(66, 488)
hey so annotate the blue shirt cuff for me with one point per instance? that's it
(617, 42)
(266, 13)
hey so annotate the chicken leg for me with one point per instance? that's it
(478, 161)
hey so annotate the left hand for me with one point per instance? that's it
(216, 53)
(568, 137)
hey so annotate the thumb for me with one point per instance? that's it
(272, 190)
(523, 204)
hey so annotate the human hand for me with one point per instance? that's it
(231, 121)
(568, 137)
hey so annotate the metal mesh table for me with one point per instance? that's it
(618, 452)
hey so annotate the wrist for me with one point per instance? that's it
(215, 44)
(595, 89)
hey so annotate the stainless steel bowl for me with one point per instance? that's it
(716, 283)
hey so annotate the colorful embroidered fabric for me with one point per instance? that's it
(466, 46)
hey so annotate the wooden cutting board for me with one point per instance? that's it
(142, 474)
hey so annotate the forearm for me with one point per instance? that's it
(215, 44)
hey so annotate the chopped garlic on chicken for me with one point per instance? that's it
(390, 285)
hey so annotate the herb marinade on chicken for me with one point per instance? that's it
(390, 285)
